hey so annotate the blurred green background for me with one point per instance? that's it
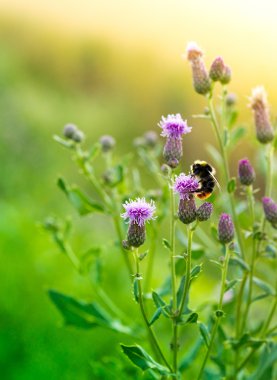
(109, 67)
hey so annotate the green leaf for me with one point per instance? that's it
(193, 317)
(195, 271)
(142, 359)
(181, 290)
(233, 115)
(231, 187)
(84, 315)
(231, 284)
(156, 316)
(239, 262)
(79, 200)
(159, 302)
(267, 288)
(94, 152)
(114, 176)
(166, 244)
(236, 135)
(225, 137)
(65, 143)
(205, 333)
(214, 232)
(267, 360)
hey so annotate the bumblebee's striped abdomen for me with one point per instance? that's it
(203, 195)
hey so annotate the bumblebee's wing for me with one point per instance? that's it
(216, 181)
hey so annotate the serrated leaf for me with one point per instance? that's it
(79, 200)
(155, 316)
(166, 244)
(267, 288)
(231, 186)
(205, 333)
(84, 315)
(142, 359)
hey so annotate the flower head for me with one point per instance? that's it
(194, 52)
(217, 69)
(246, 172)
(225, 229)
(174, 126)
(185, 185)
(259, 105)
(107, 143)
(204, 212)
(187, 209)
(270, 210)
(201, 80)
(138, 211)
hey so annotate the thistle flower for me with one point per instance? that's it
(184, 185)
(78, 136)
(201, 80)
(107, 143)
(204, 212)
(187, 209)
(259, 105)
(231, 99)
(246, 172)
(173, 127)
(217, 69)
(225, 229)
(270, 210)
(137, 212)
(151, 139)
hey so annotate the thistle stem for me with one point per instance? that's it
(226, 171)
(143, 312)
(218, 316)
(173, 281)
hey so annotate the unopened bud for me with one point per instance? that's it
(136, 235)
(226, 76)
(78, 136)
(204, 212)
(225, 229)
(231, 99)
(246, 172)
(69, 130)
(217, 69)
(201, 80)
(259, 105)
(270, 210)
(151, 139)
(107, 143)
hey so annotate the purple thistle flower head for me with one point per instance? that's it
(185, 185)
(139, 211)
(173, 126)
(246, 172)
(225, 229)
(217, 69)
(187, 209)
(270, 210)
(204, 212)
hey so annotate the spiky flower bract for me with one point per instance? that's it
(246, 172)
(204, 212)
(217, 69)
(259, 105)
(225, 229)
(184, 185)
(270, 210)
(187, 209)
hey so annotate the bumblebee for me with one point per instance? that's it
(204, 173)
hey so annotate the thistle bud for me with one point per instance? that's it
(151, 139)
(259, 105)
(225, 229)
(270, 210)
(226, 75)
(137, 212)
(217, 69)
(69, 130)
(201, 80)
(204, 212)
(107, 143)
(173, 127)
(231, 100)
(187, 210)
(246, 172)
(78, 136)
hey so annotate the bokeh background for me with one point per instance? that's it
(110, 67)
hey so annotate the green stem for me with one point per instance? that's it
(223, 152)
(142, 309)
(151, 254)
(173, 281)
(219, 315)
(253, 256)
(188, 271)
(72, 257)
